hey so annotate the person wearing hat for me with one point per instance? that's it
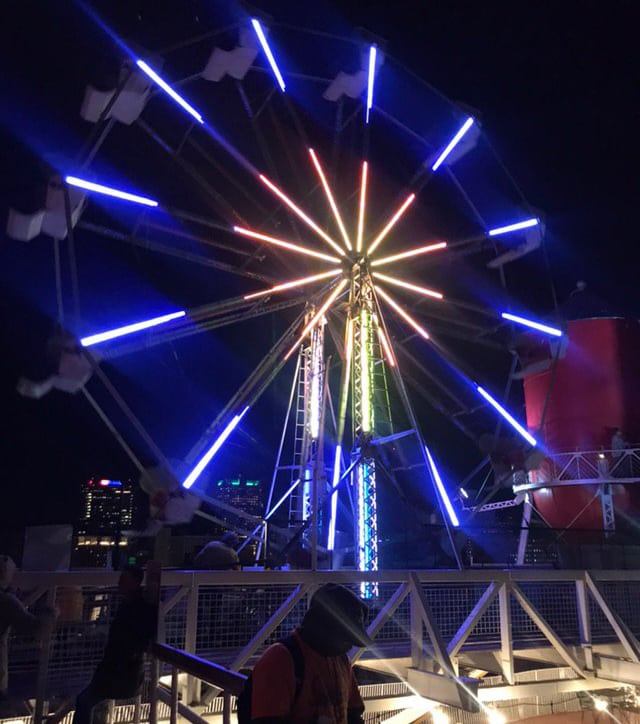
(327, 692)
(219, 555)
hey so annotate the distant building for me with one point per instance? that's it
(108, 509)
(241, 493)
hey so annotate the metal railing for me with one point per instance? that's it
(588, 465)
(231, 616)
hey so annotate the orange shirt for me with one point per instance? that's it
(329, 690)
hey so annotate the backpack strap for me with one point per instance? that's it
(293, 647)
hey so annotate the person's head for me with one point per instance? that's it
(7, 570)
(334, 621)
(230, 539)
(130, 580)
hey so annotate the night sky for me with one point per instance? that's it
(555, 86)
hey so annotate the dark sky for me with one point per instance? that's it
(554, 84)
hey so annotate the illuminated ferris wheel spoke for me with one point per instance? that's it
(318, 316)
(332, 203)
(299, 212)
(361, 206)
(285, 244)
(507, 416)
(342, 417)
(410, 254)
(425, 291)
(532, 324)
(100, 337)
(391, 223)
(293, 284)
(385, 344)
(404, 314)
(515, 226)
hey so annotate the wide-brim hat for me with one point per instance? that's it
(343, 611)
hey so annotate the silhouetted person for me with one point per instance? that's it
(121, 672)
(618, 444)
(219, 555)
(15, 615)
(326, 691)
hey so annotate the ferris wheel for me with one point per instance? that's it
(358, 206)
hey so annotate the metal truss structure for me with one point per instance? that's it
(469, 643)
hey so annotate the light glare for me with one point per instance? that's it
(267, 51)
(94, 339)
(406, 285)
(553, 331)
(332, 203)
(452, 143)
(442, 490)
(285, 244)
(108, 191)
(208, 456)
(411, 253)
(508, 417)
(169, 90)
(392, 222)
(407, 318)
(527, 223)
(600, 704)
(297, 210)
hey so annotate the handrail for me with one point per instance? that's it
(229, 681)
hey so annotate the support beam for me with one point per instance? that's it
(618, 670)
(541, 688)
(437, 643)
(445, 690)
(546, 629)
(472, 619)
(622, 631)
(584, 623)
(383, 616)
(170, 603)
(270, 626)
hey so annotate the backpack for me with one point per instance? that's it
(243, 702)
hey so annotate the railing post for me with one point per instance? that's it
(43, 662)
(173, 713)
(191, 632)
(137, 710)
(584, 623)
(226, 708)
(153, 691)
(417, 639)
(506, 644)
